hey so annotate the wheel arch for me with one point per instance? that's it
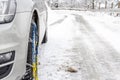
(35, 18)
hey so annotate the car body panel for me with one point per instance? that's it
(15, 35)
(39, 4)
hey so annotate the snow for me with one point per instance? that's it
(107, 27)
(86, 41)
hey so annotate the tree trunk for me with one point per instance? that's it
(119, 4)
(99, 4)
(112, 5)
(105, 4)
(93, 5)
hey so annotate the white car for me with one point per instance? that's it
(23, 27)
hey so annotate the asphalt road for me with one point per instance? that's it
(74, 43)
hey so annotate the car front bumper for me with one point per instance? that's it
(14, 37)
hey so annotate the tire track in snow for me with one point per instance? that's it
(104, 61)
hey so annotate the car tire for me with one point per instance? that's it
(31, 68)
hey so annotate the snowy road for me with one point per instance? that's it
(82, 41)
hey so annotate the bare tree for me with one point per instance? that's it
(93, 4)
(112, 4)
(105, 4)
(99, 5)
(118, 4)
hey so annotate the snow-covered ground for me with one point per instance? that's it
(85, 42)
